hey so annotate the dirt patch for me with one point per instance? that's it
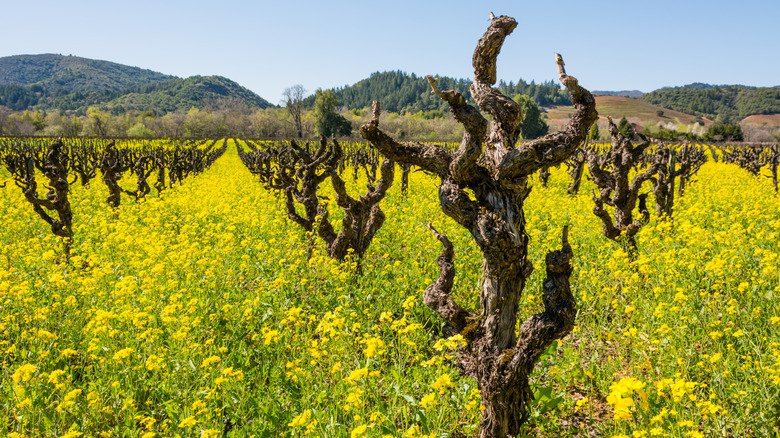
(760, 119)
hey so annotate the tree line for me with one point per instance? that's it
(224, 120)
(402, 92)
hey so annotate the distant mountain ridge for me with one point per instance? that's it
(624, 93)
(71, 83)
(73, 73)
(694, 86)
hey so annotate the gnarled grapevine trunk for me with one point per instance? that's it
(54, 167)
(362, 216)
(488, 164)
(772, 160)
(296, 167)
(112, 168)
(675, 166)
(611, 175)
(576, 169)
(310, 170)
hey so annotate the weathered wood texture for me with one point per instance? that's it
(610, 172)
(483, 186)
(54, 167)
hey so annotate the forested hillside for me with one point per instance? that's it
(71, 74)
(70, 83)
(729, 103)
(182, 94)
(47, 81)
(401, 92)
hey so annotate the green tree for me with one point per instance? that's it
(724, 132)
(140, 130)
(327, 121)
(594, 132)
(72, 125)
(532, 126)
(198, 124)
(4, 113)
(98, 121)
(38, 120)
(625, 128)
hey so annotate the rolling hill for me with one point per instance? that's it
(636, 111)
(182, 94)
(73, 74)
(70, 83)
(665, 108)
(730, 103)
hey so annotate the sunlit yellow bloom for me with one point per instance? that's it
(24, 373)
(358, 431)
(123, 354)
(188, 422)
(443, 383)
(374, 347)
(356, 375)
(209, 361)
(428, 400)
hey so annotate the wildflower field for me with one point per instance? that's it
(204, 313)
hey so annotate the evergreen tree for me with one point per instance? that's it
(625, 128)
(594, 132)
(724, 132)
(532, 126)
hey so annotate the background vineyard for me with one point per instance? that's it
(199, 313)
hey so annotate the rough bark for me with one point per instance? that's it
(747, 157)
(664, 182)
(85, 164)
(674, 166)
(142, 174)
(111, 167)
(362, 216)
(54, 167)
(544, 176)
(298, 172)
(497, 172)
(576, 166)
(405, 169)
(308, 170)
(160, 182)
(771, 159)
(611, 175)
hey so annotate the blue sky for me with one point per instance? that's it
(269, 46)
